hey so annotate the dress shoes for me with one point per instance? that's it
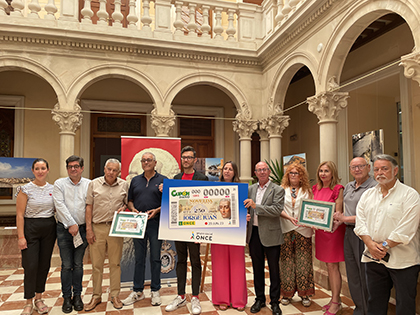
(78, 303)
(256, 307)
(92, 304)
(275, 308)
(116, 302)
(67, 305)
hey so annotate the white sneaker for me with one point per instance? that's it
(156, 298)
(195, 306)
(177, 302)
(133, 297)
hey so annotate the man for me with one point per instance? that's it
(70, 203)
(144, 196)
(387, 220)
(188, 159)
(106, 194)
(264, 235)
(353, 246)
(224, 208)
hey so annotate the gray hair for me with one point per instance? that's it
(385, 157)
(154, 156)
(113, 160)
(224, 200)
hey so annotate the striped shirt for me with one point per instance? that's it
(40, 200)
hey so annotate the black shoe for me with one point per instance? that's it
(67, 305)
(275, 308)
(78, 303)
(256, 307)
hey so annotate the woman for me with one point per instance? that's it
(296, 272)
(228, 263)
(329, 245)
(36, 227)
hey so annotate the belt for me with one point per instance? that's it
(107, 223)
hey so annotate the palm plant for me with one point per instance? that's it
(276, 169)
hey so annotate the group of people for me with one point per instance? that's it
(375, 231)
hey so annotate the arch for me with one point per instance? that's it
(98, 73)
(215, 80)
(8, 63)
(285, 73)
(354, 22)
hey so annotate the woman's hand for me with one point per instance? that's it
(22, 243)
(336, 224)
(248, 217)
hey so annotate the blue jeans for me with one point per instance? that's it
(71, 260)
(140, 251)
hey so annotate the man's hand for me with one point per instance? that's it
(249, 203)
(248, 217)
(338, 216)
(73, 229)
(152, 213)
(90, 236)
(376, 250)
(161, 187)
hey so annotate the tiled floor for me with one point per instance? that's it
(11, 297)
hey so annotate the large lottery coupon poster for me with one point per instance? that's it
(200, 211)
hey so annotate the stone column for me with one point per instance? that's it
(245, 128)
(264, 145)
(275, 125)
(411, 64)
(326, 106)
(68, 121)
(162, 124)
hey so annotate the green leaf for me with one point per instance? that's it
(276, 171)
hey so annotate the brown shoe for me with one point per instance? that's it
(92, 304)
(116, 302)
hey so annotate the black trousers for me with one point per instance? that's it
(182, 249)
(381, 279)
(40, 237)
(258, 253)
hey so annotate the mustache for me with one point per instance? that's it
(380, 177)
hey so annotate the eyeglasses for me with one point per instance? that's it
(187, 158)
(147, 160)
(260, 170)
(357, 167)
(76, 167)
(294, 174)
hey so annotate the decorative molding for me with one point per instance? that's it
(274, 109)
(162, 125)
(275, 124)
(327, 105)
(411, 64)
(68, 121)
(151, 51)
(245, 128)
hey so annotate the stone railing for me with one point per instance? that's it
(212, 22)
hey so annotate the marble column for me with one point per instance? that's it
(68, 121)
(162, 124)
(326, 106)
(275, 125)
(245, 129)
(411, 64)
(264, 145)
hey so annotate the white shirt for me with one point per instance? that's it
(395, 217)
(70, 201)
(258, 199)
(286, 225)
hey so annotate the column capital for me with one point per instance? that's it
(68, 120)
(244, 128)
(162, 124)
(263, 135)
(327, 105)
(411, 64)
(275, 124)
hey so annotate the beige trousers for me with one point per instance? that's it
(97, 255)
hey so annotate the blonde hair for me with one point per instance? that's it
(303, 177)
(334, 172)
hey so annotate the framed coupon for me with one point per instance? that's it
(317, 214)
(129, 224)
(202, 211)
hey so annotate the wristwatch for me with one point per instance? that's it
(386, 245)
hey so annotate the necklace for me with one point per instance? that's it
(294, 192)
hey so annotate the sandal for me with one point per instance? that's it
(327, 312)
(223, 307)
(27, 313)
(240, 309)
(41, 310)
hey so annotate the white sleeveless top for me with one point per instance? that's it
(40, 200)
